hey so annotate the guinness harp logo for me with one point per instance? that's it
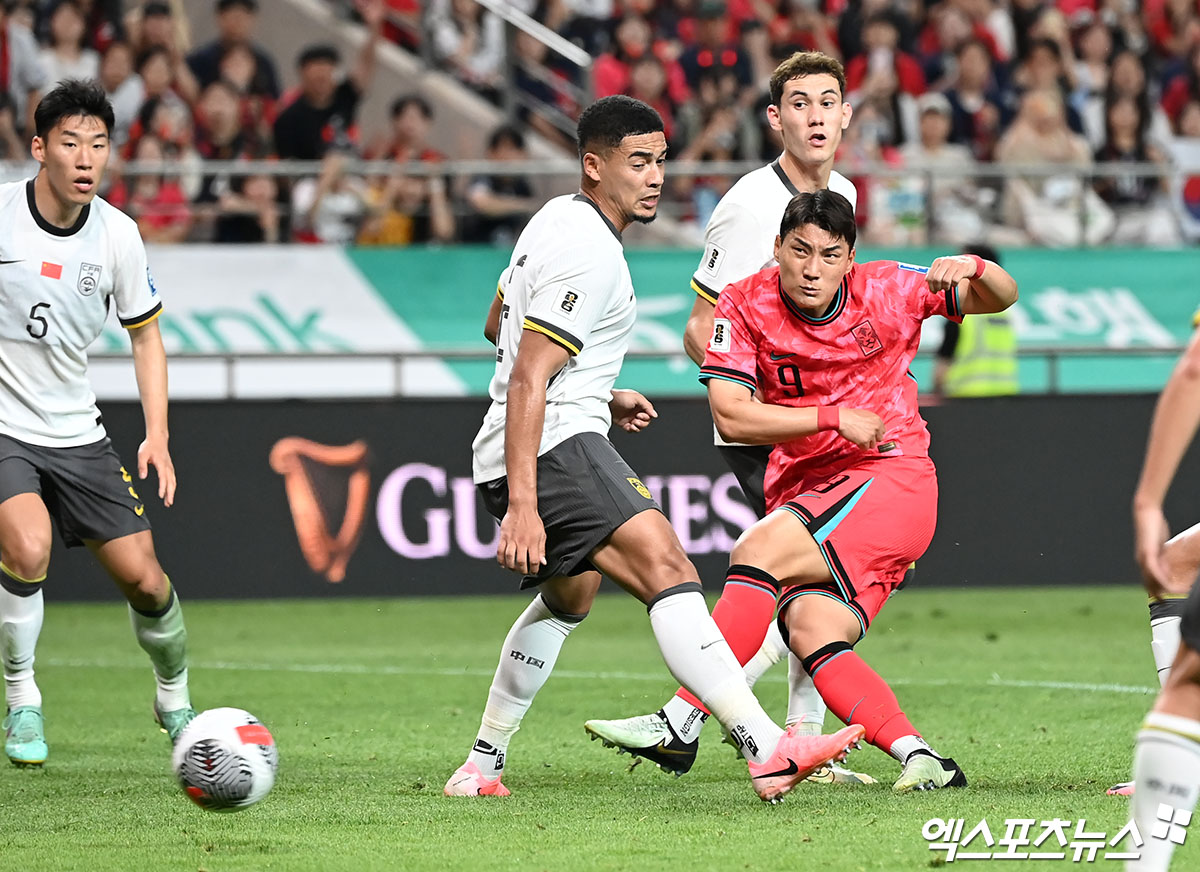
(323, 482)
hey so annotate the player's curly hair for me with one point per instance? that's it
(827, 209)
(806, 63)
(71, 98)
(606, 122)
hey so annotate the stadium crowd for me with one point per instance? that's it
(972, 86)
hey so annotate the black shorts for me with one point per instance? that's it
(748, 463)
(1189, 627)
(585, 492)
(85, 488)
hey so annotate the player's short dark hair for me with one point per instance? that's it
(609, 120)
(71, 98)
(827, 209)
(982, 249)
(319, 53)
(400, 104)
(806, 63)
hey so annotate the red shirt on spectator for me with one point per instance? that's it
(910, 78)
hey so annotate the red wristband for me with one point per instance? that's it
(980, 265)
(828, 418)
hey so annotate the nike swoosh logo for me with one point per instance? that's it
(663, 749)
(3, 262)
(139, 510)
(775, 356)
(791, 769)
(707, 645)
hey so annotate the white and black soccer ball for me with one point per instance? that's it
(225, 760)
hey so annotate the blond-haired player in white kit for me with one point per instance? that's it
(66, 258)
(809, 111)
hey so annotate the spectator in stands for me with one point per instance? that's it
(239, 67)
(1174, 27)
(802, 25)
(1043, 69)
(851, 25)
(324, 111)
(887, 79)
(236, 20)
(633, 40)
(11, 146)
(992, 23)
(1189, 121)
(1142, 215)
(67, 56)
(156, 202)
(1056, 210)
(714, 57)
(103, 23)
(406, 209)
(501, 203)
(331, 207)
(952, 202)
(1094, 50)
(945, 33)
(1127, 78)
(158, 82)
(25, 76)
(976, 101)
(469, 42)
(123, 86)
(648, 83)
(158, 29)
(1183, 87)
(408, 136)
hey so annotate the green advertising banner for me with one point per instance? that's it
(1099, 298)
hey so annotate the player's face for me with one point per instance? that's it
(810, 117)
(812, 264)
(74, 154)
(631, 176)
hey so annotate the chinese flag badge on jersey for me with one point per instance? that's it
(51, 270)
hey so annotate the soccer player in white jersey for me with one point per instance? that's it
(1166, 766)
(808, 110)
(66, 258)
(569, 506)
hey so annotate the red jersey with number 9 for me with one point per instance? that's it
(857, 355)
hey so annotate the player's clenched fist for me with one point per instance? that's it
(860, 426)
(522, 546)
(947, 272)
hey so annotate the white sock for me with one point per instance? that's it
(699, 658)
(772, 651)
(163, 636)
(805, 705)
(1166, 768)
(526, 661)
(20, 626)
(905, 745)
(685, 719)
(1164, 643)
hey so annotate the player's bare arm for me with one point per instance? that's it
(150, 366)
(631, 411)
(983, 286)
(491, 327)
(1172, 429)
(699, 329)
(740, 418)
(522, 545)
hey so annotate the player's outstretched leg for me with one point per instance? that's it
(645, 557)
(24, 560)
(157, 620)
(856, 693)
(527, 658)
(670, 737)
(1166, 764)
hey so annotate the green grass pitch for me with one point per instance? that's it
(1036, 692)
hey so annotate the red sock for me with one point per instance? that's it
(743, 614)
(856, 694)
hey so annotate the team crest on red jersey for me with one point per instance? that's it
(867, 339)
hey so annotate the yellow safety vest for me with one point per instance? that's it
(985, 359)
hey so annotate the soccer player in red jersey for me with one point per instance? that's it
(812, 356)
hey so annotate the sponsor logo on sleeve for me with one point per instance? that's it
(714, 255)
(720, 335)
(570, 301)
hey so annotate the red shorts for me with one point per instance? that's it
(871, 521)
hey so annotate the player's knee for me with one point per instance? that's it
(1181, 561)
(148, 587)
(811, 628)
(26, 553)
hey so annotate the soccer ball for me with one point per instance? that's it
(225, 760)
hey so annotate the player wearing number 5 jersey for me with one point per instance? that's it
(67, 258)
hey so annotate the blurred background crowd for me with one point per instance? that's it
(1011, 121)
